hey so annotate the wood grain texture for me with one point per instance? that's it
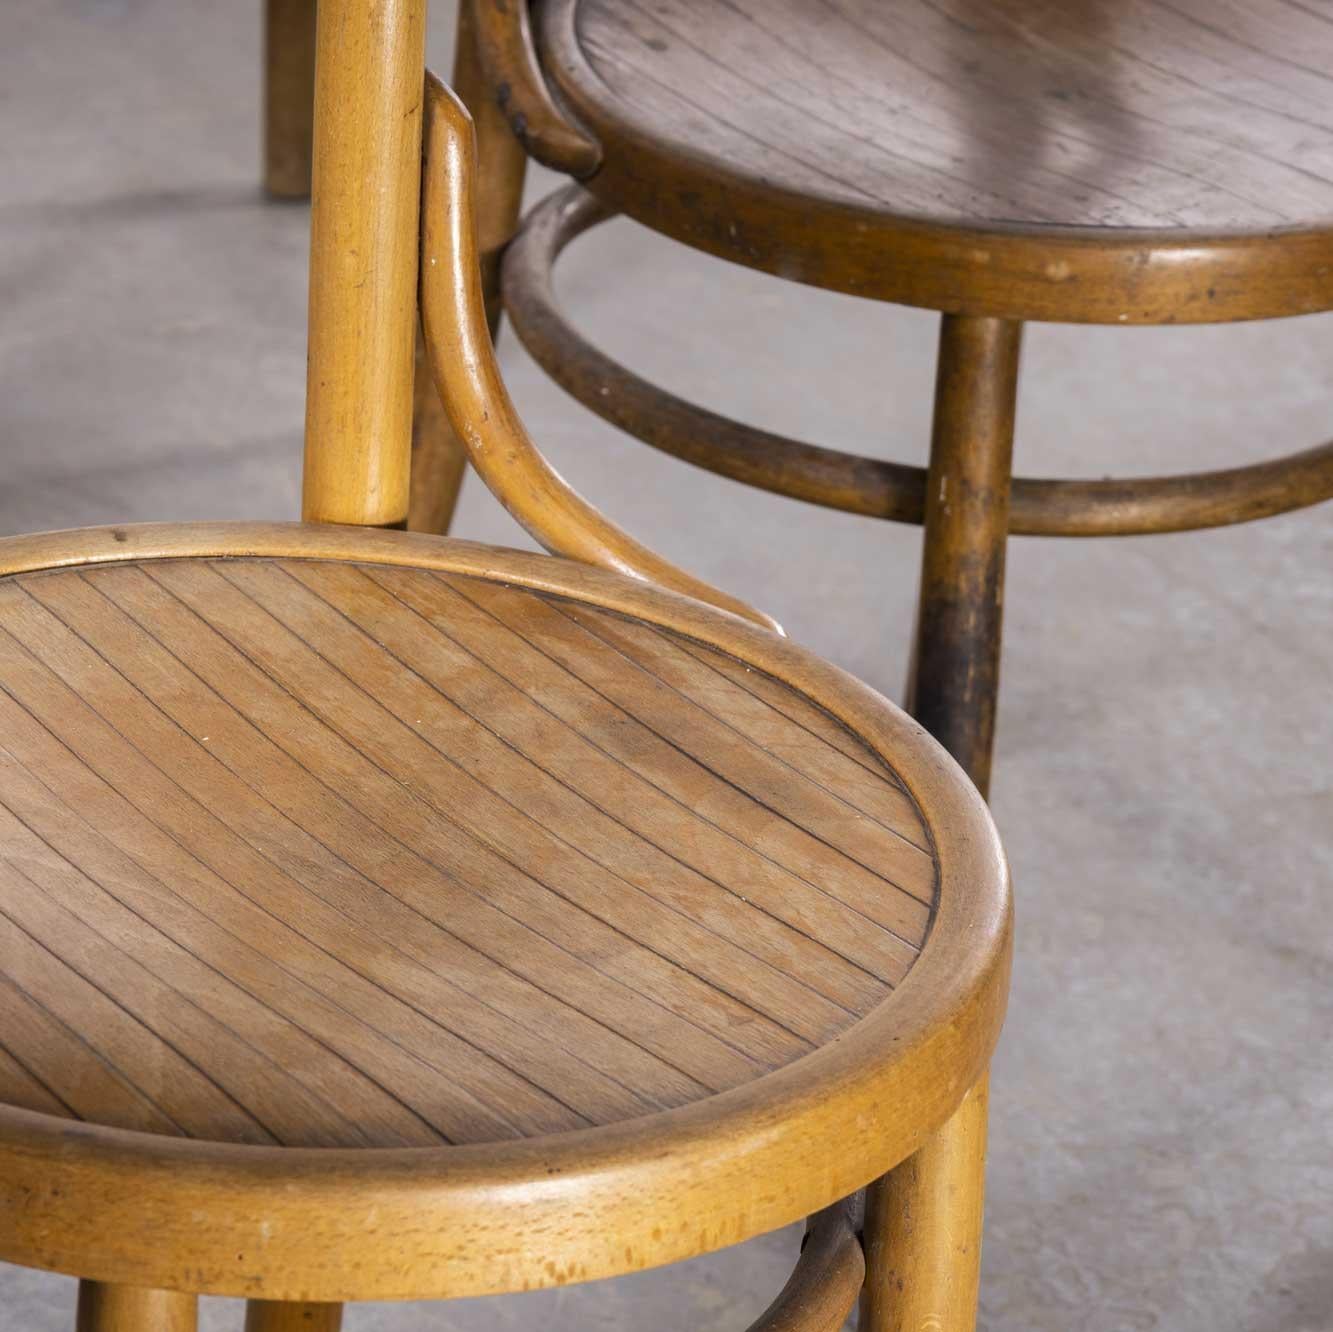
(269, 894)
(439, 461)
(1137, 113)
(1031, 148)
(334, 855)
(364, 224)
(923, 1229)
(439, 458)
(501, 160)
(274, 1316)
(954, 676)
(105, 1308)
(510, 66)
(828, 1277)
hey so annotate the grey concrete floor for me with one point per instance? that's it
(1162, 1145)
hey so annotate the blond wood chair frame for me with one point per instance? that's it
(148, 1222)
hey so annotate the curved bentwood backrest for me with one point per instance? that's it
(463, 362)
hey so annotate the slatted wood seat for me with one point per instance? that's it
(333, 854)
(816, 140)
(370, 880)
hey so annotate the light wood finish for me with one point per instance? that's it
(1107, 161)
(364, 226)
(273, 1316)
(289, 96)
(133, 1309)
(731, 1139)
(483, 415)
(563, 870)
(386, 917)
(923, 1230)
(956, 668)
(501, 159)
(438, 459)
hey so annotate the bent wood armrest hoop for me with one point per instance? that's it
(509, 59)
(462, 359)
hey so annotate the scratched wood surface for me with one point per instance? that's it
(322, 853)
(1204, 114)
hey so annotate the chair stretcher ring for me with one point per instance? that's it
(834, 479)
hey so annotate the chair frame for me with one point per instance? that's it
(150, 1221)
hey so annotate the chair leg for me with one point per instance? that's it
(280, 1316)
(922, 1231)
(956, 661)
(438, 458)
(108, 1308)
(923, 1219)
(289, 96)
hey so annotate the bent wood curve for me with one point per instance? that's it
(826, 1281)
(293, 1224)
(504, 41)
(483, 416)
(871, 487)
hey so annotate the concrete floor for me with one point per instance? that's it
(1162, 1146)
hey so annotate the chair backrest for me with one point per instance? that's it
(368, 211)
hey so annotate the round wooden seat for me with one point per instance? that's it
(1118, 162)
(551, 885)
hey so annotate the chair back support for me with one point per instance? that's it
(363, 260)
(458, 343)
(370, 212)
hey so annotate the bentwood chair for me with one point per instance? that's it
(385, 916)
(999, 161)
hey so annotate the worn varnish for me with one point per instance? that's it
(323, 853)
(467, 377)
(1135, 113)
(1120, 161)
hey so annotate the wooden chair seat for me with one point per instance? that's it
(1106, 161)
(548, 883)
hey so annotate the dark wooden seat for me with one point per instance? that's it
(807, 138)
(322, 853)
